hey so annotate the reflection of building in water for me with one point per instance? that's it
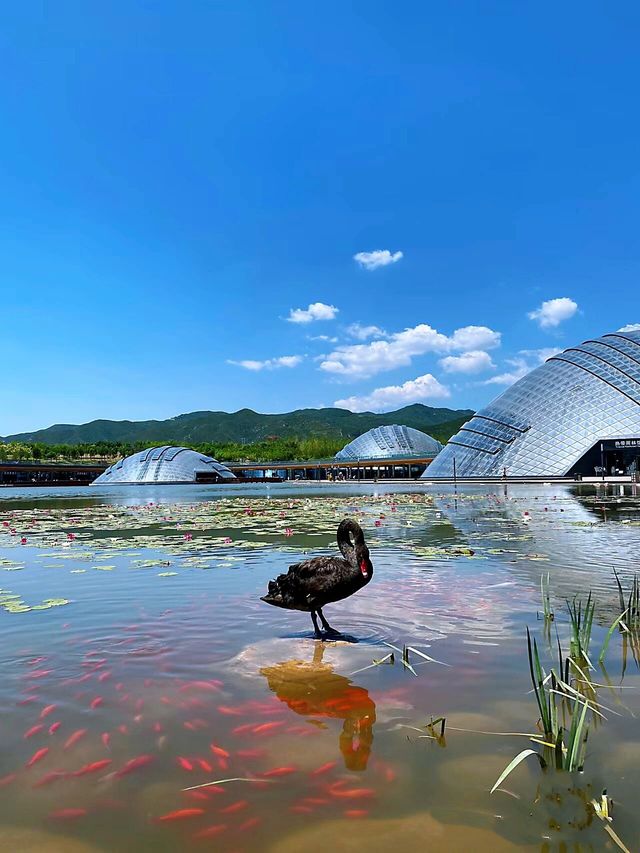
(313, 689)
(535, 530)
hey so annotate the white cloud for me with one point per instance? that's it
(553, 312)
(315, 311)
(630, 327)
(377, 258)
(269, 363)
(324, 338)
(362, 333)
(474, 361)
(359, 361)
(424, 387)
(524, 363)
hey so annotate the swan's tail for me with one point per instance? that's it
(274, 595)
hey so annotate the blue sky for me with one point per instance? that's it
(177, 178)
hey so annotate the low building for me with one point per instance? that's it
(578, 414)
(165, 465)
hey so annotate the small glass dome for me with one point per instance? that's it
(386, 442)
(165, 465)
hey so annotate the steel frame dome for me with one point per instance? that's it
(164, 464)
(547, 421)
(386, 442)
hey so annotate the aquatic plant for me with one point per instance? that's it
(547, 610)
(581, 617)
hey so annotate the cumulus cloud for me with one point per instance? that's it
(324, 338)
(377, 258)
(474, 361)
(359, 361)
(553, 312)
(363, 333)
(315, 311)
(525, 362)
(630, 327)
(424, 387)
(269, 363)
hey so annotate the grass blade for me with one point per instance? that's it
(511, 766)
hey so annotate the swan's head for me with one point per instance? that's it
(364, 562)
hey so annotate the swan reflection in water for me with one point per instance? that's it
(313, 689)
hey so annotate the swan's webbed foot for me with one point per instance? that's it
(328, 629)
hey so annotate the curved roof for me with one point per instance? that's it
(386, 442)
(163, 465)
(544, 423)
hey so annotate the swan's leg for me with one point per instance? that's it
(315, 625)
(325, 624)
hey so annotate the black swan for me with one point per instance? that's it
(310, 585)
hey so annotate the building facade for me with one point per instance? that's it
(578, 413)
(165, 465)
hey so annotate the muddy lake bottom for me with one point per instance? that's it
(139, 665)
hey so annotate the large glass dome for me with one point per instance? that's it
(579, 412)
(386, 442)
(165, 465)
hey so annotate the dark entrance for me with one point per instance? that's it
(611, 457)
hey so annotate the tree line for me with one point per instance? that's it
(270, 450)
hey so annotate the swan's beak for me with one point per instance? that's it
(363, 569)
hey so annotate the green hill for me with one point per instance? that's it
(247, 426)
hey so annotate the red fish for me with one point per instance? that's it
(123, 729)
(197, 795)
(7, 780)
(324, 768)
(33, 730)
(54, 776)
(134, 764)
(97, 702)
(74, 738)
(37, 756)
(94, 767)
(27, 700)
(301, 809)
(205, 765)
(229, 712)
(235, 807)
(211, 831)
(46, 711)
(278, 771)
(267, 727)
(356, 813)
(223, 764)
(240, 730)
(251, 753)
(53, 728)
(351, 793)
(180, 814)
(104, 676)
(209, 686)
(68, 814)
(185, 763)
(105, 737)
(249, 824)
(219, 751)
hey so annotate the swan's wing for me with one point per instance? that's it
(319, 568)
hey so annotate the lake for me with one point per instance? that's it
(140, 666)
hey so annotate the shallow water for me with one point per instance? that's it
(132, 630)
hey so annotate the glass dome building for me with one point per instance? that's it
(165, 465)
(387, 442)
(578, 413)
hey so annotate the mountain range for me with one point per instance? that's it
(246, 426)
